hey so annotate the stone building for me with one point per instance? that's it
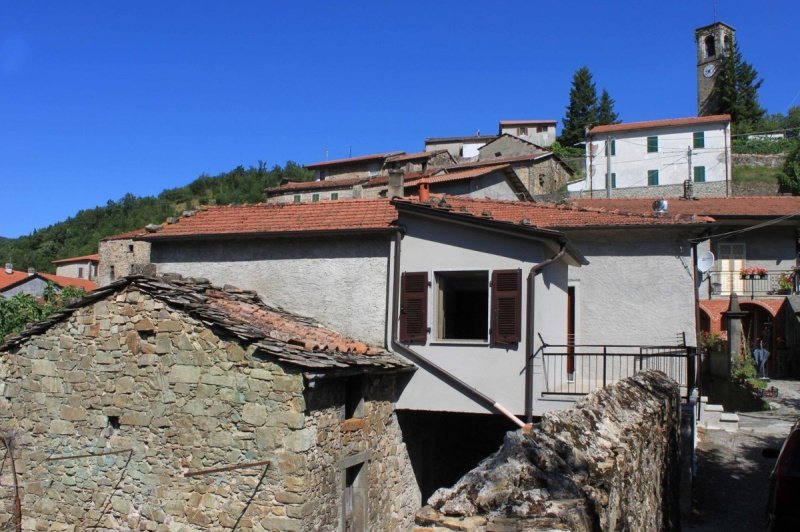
(167, 403)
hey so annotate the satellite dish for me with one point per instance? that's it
(660, 206)
(705, 261)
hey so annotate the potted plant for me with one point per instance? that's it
(786, 283)
(753, 272)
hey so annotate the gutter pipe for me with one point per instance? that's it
(529, 353)
(435, 370)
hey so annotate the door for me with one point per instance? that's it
(731, 261)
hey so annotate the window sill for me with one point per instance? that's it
(477, 343)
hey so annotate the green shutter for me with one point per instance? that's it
(314, 197)
(296, 198)
(611, 147)
(334, 195)
(652, 177)
(699, 174)
(699, 139)
(652, 144)
(613, 180)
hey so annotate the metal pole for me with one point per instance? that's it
(605, 349)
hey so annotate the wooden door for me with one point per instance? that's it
(731, 261)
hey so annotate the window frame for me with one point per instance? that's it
(315, 196)
(297, 198)
(611, 148)
(439, 309)
(652, 144)
(334, 196)
(702, 171)
(652, 178)
(613, 180)
(699, 139)
(522, 130)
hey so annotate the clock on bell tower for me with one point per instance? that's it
(713, 42)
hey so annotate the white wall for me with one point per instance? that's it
(340, 281)
(637, 288)
(497, 371)
(543, 138)
(631, 161)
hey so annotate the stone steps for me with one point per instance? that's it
(714, 417)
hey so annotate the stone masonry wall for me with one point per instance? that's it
(708, 189)
(609, 463)
(121, 257)
(130, 375)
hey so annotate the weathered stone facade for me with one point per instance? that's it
(609, 463)
(709, 189)
(770, 160)
(151, 393)
(122, 257)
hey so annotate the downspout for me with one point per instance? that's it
(529, 330)
(435, 370)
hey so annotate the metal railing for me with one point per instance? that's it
(581, 369)
(722, 283)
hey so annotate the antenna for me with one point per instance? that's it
(714, 2)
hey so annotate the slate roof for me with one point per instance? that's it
(551, 216)
(669, 122)
(717, 208)
(353, 215)
(241, 315)
(414, 156)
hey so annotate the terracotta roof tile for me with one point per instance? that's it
(669, 122)
(341, 215)
(551, 216)
(460, 175)
(95, 257)
(383, 180)
(63, 281)
(299, 186)
(741, 207)
(8, 279)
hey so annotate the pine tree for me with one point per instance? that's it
(582, 108)
(736, 90)
(605, 110)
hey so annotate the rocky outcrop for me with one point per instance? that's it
(609, 463)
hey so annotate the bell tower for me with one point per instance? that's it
(713, 42)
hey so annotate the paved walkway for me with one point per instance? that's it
(730, 491)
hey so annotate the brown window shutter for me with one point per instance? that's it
(506, 306)
(414, 308)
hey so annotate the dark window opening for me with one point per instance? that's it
(463, 305)
(111, 272)
(711, 46)
(498, 154)
(522, 131)
(130, 248)
(541, 129)
(652, 144)
(80, 273)
(113, 422)
(353, 398)
(726, 43)
(355, 498)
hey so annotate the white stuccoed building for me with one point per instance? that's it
(658, 158)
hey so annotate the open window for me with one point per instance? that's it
(462, 305)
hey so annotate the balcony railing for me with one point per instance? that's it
(723, 283)
(581, 369)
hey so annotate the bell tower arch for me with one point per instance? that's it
(713, 42)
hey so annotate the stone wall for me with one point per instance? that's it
(119, 258)
(609, 463)
(708, 189)
(772, 160)
(131, 376)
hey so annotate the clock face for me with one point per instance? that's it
(709, 70)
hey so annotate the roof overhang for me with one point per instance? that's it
(154, 237)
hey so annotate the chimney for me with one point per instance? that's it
(31, 271)
(396, 178)
(9, 268)
(424, 190)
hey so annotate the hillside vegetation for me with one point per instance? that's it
(79, 234)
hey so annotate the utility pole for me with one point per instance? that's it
(609, 141)
(590, 150)
(689, 157)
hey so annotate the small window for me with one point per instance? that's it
(315, 197)
(652, 177)
(699, 174)
(613, 179)
(522, 130)
(296, 198)
(711, 46)
(111, 272)
(611, 147)
(541, 129)
(652, 144)
(699, 139)
(130, 248)
(80, 273)
(334, 195)
(462, 303)
(354, 398)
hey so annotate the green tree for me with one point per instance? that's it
(790, 178)
(582, 108)
(736, 91)
(605, 110)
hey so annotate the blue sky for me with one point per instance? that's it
(98, 99)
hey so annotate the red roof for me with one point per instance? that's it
(94, 257)
(320, 216)
(458, 176)
(8, 279)
(669, 122)
(353, 160)
(62, 281)
(740, 206)
(551, 216)
(499, 160)
(298, 186)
